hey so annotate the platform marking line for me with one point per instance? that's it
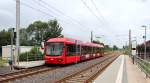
(120, 72)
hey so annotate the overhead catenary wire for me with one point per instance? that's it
(59, 11)
(51, 6)
(65, 15)
(48, 8)
(105, 22)
(44, 6)
(92, 12)
(38, 10)
(43, 12)
(99, 12)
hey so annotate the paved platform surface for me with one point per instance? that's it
(122, 71)
(30, 64)
(135, 75)
(111, 72)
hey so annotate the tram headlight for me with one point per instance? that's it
(59, 60)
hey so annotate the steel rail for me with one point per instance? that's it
(83, 76)
(24, 73)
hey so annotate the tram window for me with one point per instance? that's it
(90, 50)
(97, 50)
(83, 50)
(94, 50)
(86, 50)
(78, 48)
(71, 49)
(54, 49)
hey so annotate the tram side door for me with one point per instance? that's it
(78, 49)
(82, 57)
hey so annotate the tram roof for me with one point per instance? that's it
(74, 41)
(92, 44)
(68, 40)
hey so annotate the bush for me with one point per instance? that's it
(2, 62)
(32, 55)
(126, 51)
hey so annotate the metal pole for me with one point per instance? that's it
(145, 44)
(91, 36)
(17, 28)
(12, 37)
(130, 43)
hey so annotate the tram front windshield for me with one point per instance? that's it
(54, 49)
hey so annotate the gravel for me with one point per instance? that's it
(55, 75)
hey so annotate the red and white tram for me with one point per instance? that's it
(68, 50)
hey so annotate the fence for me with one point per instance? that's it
(30, 57)
(4, 60)
(143, 65)
(33, 55)
(141, 55)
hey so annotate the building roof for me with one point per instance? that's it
(143, 44)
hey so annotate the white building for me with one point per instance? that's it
(6, 50)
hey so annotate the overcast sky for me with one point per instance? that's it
(113, 21)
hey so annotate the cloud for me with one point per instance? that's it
(6, 18)
(119, 15)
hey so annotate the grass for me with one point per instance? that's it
(145, 66)
(2, 62)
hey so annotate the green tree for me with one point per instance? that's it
(107, 48)
(36, 31)
(54, 30)
(97, 42)
(24, 37)
(115, 47)
(4, 39)
(39, 31)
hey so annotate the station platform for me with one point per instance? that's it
(29, 64)
(122, 70)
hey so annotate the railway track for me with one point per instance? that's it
(24, 73)
(89, 74)
(79, 73)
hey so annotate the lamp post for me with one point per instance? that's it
(144, 41)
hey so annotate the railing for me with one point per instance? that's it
(30, 58)
(141, 55)
(4, 60)
(143, 65)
